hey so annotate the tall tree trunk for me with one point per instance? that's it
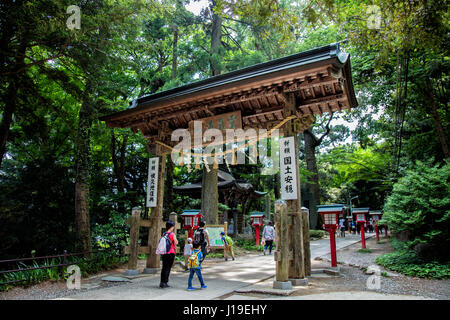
(11, 100)
(277, 186)
(313, 181)
(168, 186)
(210, 195)
(82, 220)
(175, 52)
(119, 169)
(168, 189)
(10, 106)
(437, 121)
(216, 38)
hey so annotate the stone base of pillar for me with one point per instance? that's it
(131, 272)
(299, 282)
(151, 270)
(283, 285)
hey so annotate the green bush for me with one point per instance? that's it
(419, 207)
(249, 245)
(405, 261)
(316, 234)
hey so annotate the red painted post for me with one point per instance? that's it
(257, 235)
(385, 229)
(363, 238)
(333, 247)
(376, 230)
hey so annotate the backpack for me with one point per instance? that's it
(228, 240)
(193, 261)
(199, 236)
(164, 244)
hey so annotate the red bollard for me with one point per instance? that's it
(376, 230)
(363, 238)
(333, 247)
(257, 235)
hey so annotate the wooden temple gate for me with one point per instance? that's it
(293, 88)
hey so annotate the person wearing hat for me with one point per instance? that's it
(187, 253)
(169, 257)
(227, 245)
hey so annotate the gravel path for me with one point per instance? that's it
(353, 265)
(351, 282)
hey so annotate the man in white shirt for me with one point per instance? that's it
(268, 235)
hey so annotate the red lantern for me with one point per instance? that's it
(191, 219)
(376, 216)
(330, 217)
(257, 222)
(361, 217)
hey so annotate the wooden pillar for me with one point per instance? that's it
(156, 215)
(134, 243)
(281, 255)
(306, 247)
(297, 265)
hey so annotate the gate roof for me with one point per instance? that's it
(319, 78)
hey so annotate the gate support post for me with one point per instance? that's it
(134, 238)
(281, 255)
(296, 232)
(153, 264)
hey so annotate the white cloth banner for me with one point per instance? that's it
(152, 182)
(288, 169)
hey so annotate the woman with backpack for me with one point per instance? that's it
(169, 257)
(201, 236)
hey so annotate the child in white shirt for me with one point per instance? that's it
(187, 253)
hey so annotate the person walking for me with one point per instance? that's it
(342, 225)
(268, 235)
(227, 245)
(201, 236)
(169, 257)
(187, 253)
(195, 266)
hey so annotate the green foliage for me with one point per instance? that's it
(114, 233)
(248, 245)
(405, 261)
(365, 250)
(99, 261)
(316, 234)
(419, 205)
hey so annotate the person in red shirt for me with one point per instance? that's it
(168, 258)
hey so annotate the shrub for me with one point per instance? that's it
(248, 245)
(316, 234)
(419, 208)
(406, 262)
